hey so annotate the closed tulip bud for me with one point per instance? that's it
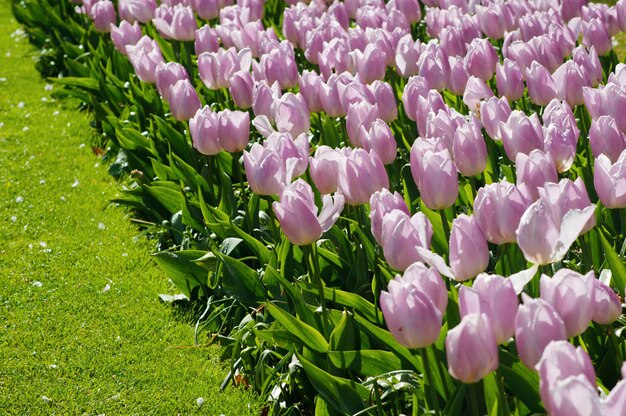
(434, 67)
(206, 40)
(103, 14)
(541, 87)
(521, 134)
(206, 9)
(382, 203)
(560, 145)
(324, 168)
(291, 114)
(293, 152)
(371, 63)
(536, 325)
(183, 100)
(401, 304)
(444, 124)
(469, 149)
(361, 114)
(263, 96)
(279, 65)
(438, 180)
(177, 22)
(401, 235)
(609, 182)
(498, 208)
(145, 56)
(596, 34)
(234, 130)
(385, 100)
(241, 89)
(571, 295)
(167, 75)
(458, 75)
(139, 10)
(509, 80)
(203, 128)
(492, 112)
(491, 21)
(379, 139)
(605, 138)
(476, 90)
(217, 68)
(452, 42)
(570, 78)
(298, 215)
(561, 360)
(265, 171)
(481, 59)
(574, 396)
(125, 34)
(360, 175)
(534, 170)
(311, 86)
(565, 196)
(416, 87)
(591, 62)
(606, 305)
(330, 97)
(428, 281)
(471, 349)
(469, 253)
(499, 300)
(354, 91)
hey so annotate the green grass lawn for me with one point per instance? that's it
(81, 328)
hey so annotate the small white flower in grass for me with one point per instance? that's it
(48, 87)
(55, 113)
(19, 199)
(43, 244)
(37, 284)
(13, 218)
(25, 128)
(199, 401)
(46, 399)
(1, 124)
(44, 99)
(106, 288)
(75, 184)
(21, 104)
(81, 146)
(53, 366)
(3, 79)
(101, 226)
(42, 181)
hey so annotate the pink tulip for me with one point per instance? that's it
(534, 170)
(610, 181)
(492, 112)
(491, 20)
(382, 203)
(416, 87)
(498, 208)
(560, 145)
(541, 86)
(570, 78)
(434, 67)
(401, 304)
(559, 361)
(481, 59)
(167, 75)
(379, 139)
(444, 124)
(471, 349)
(476, 90)
(293, 152)
(145, 56)
(177, 22)
(324, 169)
(298, 215)
(103, 14)
(536, 325)
(521, 134)
(595, 33)
(428, 281)
(458, 75)
(469, 253)
(139, 10)
(183, 99)
(360, 115)
(203, 128)
(234, 130)
(385, 100)
(469, 149)
(574, 396)
(125, 34)
(571, 295)
(217, 68)
(605, 138)
(509, 80)
(401, 235)
(291, 114)
(206, 9)
(360, 175)
(566, 196)
(241, 89)
(311, 86)
(606, 305)
(263, 97)
(206, 39)
(407, 55)
(370, 64)
(437, 180)
(265, 170)
(279, 65)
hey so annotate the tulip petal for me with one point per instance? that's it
(436, 261)
(572, 225)
(263, 125)
(521, 279)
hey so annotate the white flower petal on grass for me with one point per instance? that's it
(19, 199)
(75, 184)
(37, 284)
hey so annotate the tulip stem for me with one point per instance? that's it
(242, 189)
(316, 278)
(444, 224)
(474, 398)
(429, 380)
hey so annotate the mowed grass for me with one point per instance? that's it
(81, 328)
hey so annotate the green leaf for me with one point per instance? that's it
(344, 334)
(618, 270)
(344, 395)
(165, 195)
(302, 310)
(241, 282)
(521, 380)
(78, 82)
(308, 335)
(259, 249)
(347, 299)
(440, 243)
(367, 363)
(186, 274)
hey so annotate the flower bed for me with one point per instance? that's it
(388, 208)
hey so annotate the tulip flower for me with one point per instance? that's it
(183, 99)
(437, 180)
(570, 78)
(595, 33)
(401, 304)
(145, 56)
(491, 21)
(279, 65)
(509, 80)
(217, 68)
(361, 114)
(206, 9)
(382, 203)
(431, 103)
(469, 149)
(469, 254)
(291, 114)
(167, 75)
(379, 139)
(492, 112)
(476, 90)
(360, 175)
(434, 67)
(177, 22)
(605, 138)
(311, 86)
(139, 10)
(401, 234)
(566, 196)
(444, 124)
(560, 145)
(610, 181)
(574, 396)
(241, 89)
(125, 34)
(324, 169)
(606, 305)
(385, 100)
(428, 281)
(498, 208)
(416, 87)
(203, 128)
(571, 295)
(481, 59)
(407, 55)
(370, 63)
(234, 130)
(561, 360)
(521, 134)
(103, 15)
(536, 325)
(471, 349)
(265, 170)
(534, 170)
(263, 97)
(458, 75)
(298, 215)
(206, 40)
(541, 87)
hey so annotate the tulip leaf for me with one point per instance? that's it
(302, 310)
(348, 299)
(344, 335)
(456, 403)
(520, 380)
(85, 83)
(308, 335)
(165, 195)
(185, 272)
(618, 270)
(344, 395)
(369, 363)
(259, 249)
(439, 242)
(241, 282)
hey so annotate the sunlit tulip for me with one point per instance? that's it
(428, 280)
(605, 138)
(565, 196)
(382, 203)
(311, 86)
(385, 100)
(521, 134)
(103, 14)
(145, 56)
(469, 149)
(401, 235)
(469, 253)
(291, 114)
(167, 75)
(265, 170)
(458, 75)
(324, 169)
(234, 130)
(437, 180)
(298, 215)
(534, 170)
(139, 10)
(606, 305)
(492, 112)
(279, 65)
(491, 20)
(217, 68)
(541, 87)
(177, 22)
(610, 180)
(183, 100)
(379, 139)
(203, 128)
(471, 349)
(125, 34)
(481, 59)
(596, 34)
(536, 325)
(476, 90)
(361, 114)
(206, 40)
(360, 175)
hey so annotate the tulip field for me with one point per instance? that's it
(378, 208)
